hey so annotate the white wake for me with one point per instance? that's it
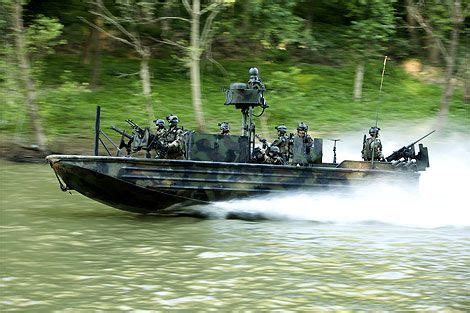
(443, 197)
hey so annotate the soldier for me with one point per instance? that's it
(302, 129)
(259, 156)
(172, 139)
(372, 146)
(160, 124)
(282, 141)
(157, 140)
(224, 129)
(274, 156)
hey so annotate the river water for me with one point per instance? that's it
(391, 249)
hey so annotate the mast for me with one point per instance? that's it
(245, 97)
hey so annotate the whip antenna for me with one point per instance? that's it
(380, 92)
(377, 108)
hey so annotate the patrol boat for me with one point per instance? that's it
(218, 167)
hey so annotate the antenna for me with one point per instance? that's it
(377, 108)
(380, 92)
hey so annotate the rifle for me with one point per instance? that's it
(159, 147)
(406, 152)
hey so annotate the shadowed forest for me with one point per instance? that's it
(321, 62)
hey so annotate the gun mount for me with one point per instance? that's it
(246, 96)
(406, 156)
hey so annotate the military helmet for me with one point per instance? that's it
(274, 150)
(281, 128)
(159, 122)
(258, 152)
(172, 119)
(302, 126)
(224, 126)
(374, 131)
(253, 71)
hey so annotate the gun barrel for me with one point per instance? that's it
(121, 132)
(134, 126)
(413, 143)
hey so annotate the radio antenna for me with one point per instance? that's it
(377, 108)
(380, 92)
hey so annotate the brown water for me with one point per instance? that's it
(66, 252)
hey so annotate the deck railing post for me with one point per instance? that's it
(97, 130)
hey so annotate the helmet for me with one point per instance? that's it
(172, 119)
(281, 128)
(302, 126)
(274, 150)
(258, 153)
(159, 122)
(253, 71)
(224, 126)
(374, 131)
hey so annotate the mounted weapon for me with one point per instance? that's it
(407, 152)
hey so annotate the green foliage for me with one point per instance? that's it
(318, 95)
(270, 26)
(43, 35)
(372, 26)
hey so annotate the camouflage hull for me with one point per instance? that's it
(151, 186)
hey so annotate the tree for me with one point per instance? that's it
(34, 41)
(442, 21)
(91, 53)
(199, 42)
(372, 27)
(133, 15)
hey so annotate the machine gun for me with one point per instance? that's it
(407, 154)
(122, 132)
(136, 128)
(122, 144)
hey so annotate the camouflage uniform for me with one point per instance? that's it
(259, 156)
(173, 139)
(274, 157)
(372, 146)
(282, 141)
(158, 139)
(307, 140)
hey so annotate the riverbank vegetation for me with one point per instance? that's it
(321, 62)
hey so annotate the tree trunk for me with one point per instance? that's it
(96, 51)
(25, 70)
(450, 65)
(359, 78)
(87, 46)
(166, 27)
(195, 51)
(146, 86)
(96, 64)
(246, 16)
(433, 50)
(466, 80)
(411, 25)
